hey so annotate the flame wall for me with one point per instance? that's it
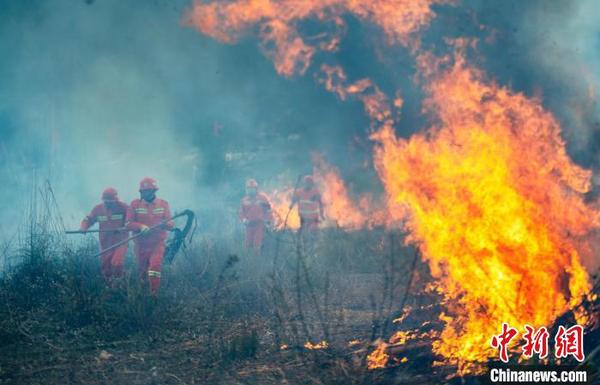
(495, 206)
(487, 191)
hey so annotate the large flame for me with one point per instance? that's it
(278, 21)
(489, 194)
(494, 204)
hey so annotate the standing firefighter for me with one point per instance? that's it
(255, 213)
(110, 215)
(310, 210)
(144, 213)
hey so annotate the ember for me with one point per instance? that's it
(378, 358)
(318, 346)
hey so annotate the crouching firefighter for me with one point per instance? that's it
(144, 213)
(110, 216)
(255, 214)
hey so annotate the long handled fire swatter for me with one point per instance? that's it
(186, 212)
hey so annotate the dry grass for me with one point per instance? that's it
(221, 317)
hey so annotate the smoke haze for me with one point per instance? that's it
(105, 92)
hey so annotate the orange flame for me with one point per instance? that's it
(374, 101)
(490, 196)
(379, 357)
(278, 22)
(318, 346)
(281, 201)
(488, 193)
(340, 209)
(495, 206)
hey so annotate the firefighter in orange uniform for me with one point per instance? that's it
(144, 213)
(310, 209)
(310, 206)
(110, 215)
(255, 214)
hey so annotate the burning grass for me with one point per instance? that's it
(487, 193)
(495, 205)
(224, 316)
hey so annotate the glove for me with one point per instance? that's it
(144, 229)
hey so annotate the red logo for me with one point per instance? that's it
(567, 342)
(502, 340)
(536, 341)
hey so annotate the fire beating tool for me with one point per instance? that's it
(96, 231)
(291, 204)
(124, 241)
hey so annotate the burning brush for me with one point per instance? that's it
(341, 210)
(496, 208)
(487, 193)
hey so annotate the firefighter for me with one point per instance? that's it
(310, 210)
(255, 214)
(310, 206)
(110, 215)
(144, 213)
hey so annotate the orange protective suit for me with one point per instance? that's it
(255, 212)
(310, 207)
(110, 216)
(150, 247)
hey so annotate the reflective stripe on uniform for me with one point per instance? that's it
(141, 210)
(158, 210)
(102, 218)
(153, 273)
(309, 205)
(116, 216)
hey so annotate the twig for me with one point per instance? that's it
(313, 296)
(299, 292)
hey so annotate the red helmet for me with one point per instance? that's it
(251, 183)
(148, 184)
(109, 194)
(308, 179)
